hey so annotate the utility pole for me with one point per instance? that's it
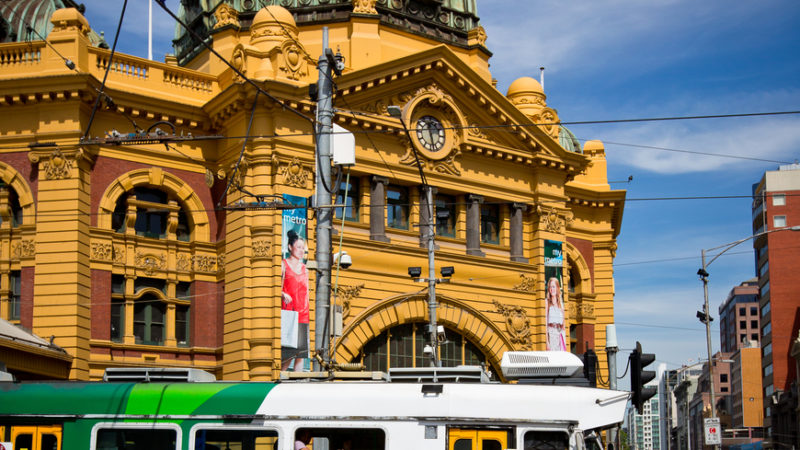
(431, 229)
(322, 198)
(611, 352)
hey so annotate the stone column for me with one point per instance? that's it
(517, 214)
(63, 276)
(474, 225)
(377, 209)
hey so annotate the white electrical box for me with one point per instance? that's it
(343, 144)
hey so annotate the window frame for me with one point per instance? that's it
(400, 205)
(14, 295)
(485, 216)
(351, 204)
(449, 204)
(134, 426)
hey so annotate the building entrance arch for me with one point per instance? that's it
(403, 309)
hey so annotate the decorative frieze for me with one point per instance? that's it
(295, 173)
(102, 251)
(150, 263)
(24, 249)
(204, 263)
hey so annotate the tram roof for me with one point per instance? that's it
(587, 408)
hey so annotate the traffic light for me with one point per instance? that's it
(590, 367)
(640, 377)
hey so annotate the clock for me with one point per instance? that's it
(430, 133)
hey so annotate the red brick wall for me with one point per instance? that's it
(101, 304)
(206, 316)
(26, 297)
(584, 332)
(586, 248)
(784, 248)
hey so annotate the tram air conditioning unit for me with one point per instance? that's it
(517, 365)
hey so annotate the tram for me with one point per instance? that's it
(405, 411)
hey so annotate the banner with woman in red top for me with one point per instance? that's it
(294, 287)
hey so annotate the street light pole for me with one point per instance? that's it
(430, 235)
(707, 319)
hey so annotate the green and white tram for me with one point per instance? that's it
(331, 414)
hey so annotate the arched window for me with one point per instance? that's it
(402, 346)
(149, 315)
(153, 209)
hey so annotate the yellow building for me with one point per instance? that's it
(124, 251)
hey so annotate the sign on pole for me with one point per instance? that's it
(713, 432)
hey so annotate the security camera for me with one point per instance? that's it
(343, 259)
(440, 335)
(427, 350)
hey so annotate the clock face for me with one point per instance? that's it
(430, 133)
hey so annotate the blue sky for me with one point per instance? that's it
(622, 59)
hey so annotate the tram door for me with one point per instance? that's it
(36, 437)
(464, 439)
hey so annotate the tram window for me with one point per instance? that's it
(232, 439)
(347, 438)
(463, 444)
(23, 442)
(491, 445)
(136, 439)
(49, 442)
(546, 440)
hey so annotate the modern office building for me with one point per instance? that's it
(145, 220)
(644, 430)
(739, 318)
(777, 206)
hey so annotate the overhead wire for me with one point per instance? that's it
(109, 63)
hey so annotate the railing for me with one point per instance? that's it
(161, 79)
(21, 53)
(123, 65)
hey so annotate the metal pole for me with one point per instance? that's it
(431, 229)
(611, 352)
(708, 340)
(322, 200)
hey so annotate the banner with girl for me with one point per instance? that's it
(294, 286)
(555, 315)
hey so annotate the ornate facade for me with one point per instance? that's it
(125, 252)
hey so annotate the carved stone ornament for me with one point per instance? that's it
(295, 174)
(364, 7)
(552, 220)
(477, 35)
(119, 254)
(295, 62)
(57, 166)
(581, 310)
(517, 324)
(528, 284)
(102, 251)
(221, 263)
(226, 15)
(239, 61)
(262, 249)
(347, 294)
(24, 249)
(183, 263)
(204, 263)
(150, 263)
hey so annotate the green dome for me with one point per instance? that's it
(568, 140)
(446, 21)
(18, 15)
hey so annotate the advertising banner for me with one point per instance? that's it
(294, 286)
(555, 315)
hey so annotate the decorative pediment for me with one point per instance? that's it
(475, 117)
